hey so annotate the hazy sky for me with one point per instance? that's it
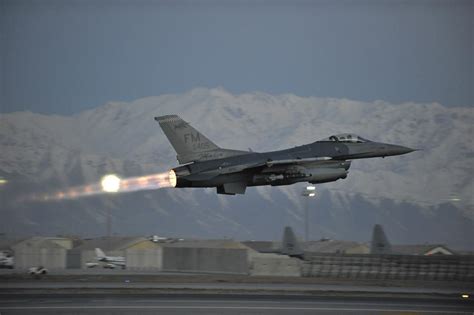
(66, 56)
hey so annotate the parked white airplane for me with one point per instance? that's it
(110, 261)
(6, 260)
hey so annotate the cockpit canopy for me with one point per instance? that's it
(346, 137)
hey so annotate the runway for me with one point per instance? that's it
(130, 284)
(224, 304)
(223, 294)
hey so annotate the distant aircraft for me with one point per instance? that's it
(6, 260)
(232, 171)
(379, 244)
(290, 245)
(110, 261)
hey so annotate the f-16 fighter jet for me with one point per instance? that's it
(204, 164)
(110, 261)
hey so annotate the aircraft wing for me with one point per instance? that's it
(298, 161)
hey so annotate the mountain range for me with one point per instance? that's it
(424, 196)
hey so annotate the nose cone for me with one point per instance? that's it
(397, 150)
(376, 149)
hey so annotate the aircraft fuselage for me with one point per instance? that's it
(335, 168)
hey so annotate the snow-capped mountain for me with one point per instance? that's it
(424, 196)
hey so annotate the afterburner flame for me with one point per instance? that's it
(113, 184)
(172, 177)
(110, 183)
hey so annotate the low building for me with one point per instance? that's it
(50, 252)
(263, 246)
(275, 265)
(211, 256)
(6, 246)
(335, 247)
(425, 249)
(139, 252)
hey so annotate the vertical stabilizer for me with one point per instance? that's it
(99, 253)
(290, 245)
(187, 141)
(190, 144)
(380, 243)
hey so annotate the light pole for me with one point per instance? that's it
(308, 192)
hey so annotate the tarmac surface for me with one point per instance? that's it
(129, 284)
(139, 293)
(224, 304)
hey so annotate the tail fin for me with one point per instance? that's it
(99, 253)
(380, 243)
(190, 144)
(290, 245)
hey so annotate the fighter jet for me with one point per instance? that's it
(109, 261)
(204, 164)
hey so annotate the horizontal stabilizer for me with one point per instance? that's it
(232, 188)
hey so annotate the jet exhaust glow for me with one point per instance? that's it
(110, 183)
(113, 184)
